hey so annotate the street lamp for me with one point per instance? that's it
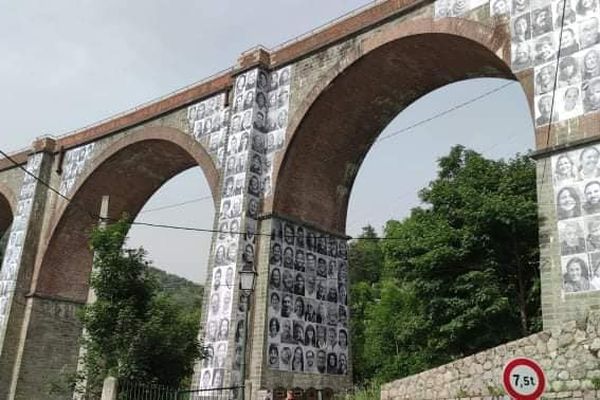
(247, 283)
(247, 280)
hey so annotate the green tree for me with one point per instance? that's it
(395, 333)
(365, 260)
(457, 276)
(366, 257)
(133, 331)
(472, 251)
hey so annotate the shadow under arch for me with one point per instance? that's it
(331, 137)
(130, 171)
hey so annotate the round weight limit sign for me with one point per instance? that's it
(523, 379)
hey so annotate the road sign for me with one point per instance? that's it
(523, 379)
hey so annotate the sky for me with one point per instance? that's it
(68, 64)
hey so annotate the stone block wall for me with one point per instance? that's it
(569, 356)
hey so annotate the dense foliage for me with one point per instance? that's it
(134, 329)
(184, 293)
(457, 276)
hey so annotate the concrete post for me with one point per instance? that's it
(109, 388)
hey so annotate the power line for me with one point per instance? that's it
(175, 205)
(445, 112)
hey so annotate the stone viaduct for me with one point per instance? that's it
(280, 137)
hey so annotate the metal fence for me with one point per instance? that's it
(229, 393)
(130, 390)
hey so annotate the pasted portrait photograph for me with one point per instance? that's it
(569, 71)
(568, 203)
(542, 20)
(591, 191)
(591, 95)
(520, 6)
(522, 56)
(564, 169)
(592, 240)
(544, 112)
(576, 276)
(572, 239)
(545, 48)
(544, 79)
(521, 28)
(589, 32)
(590, 63)
(569, 43)
(499, 8)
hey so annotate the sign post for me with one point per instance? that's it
(523, 379)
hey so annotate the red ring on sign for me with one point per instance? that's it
(512, 364)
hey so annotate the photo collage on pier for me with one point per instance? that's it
(536, 27)
(307, 329)
(278, 99)
(256, 131)
(218, 324)
(576, 179)
(208, 122)
(75, 160)
(258, 124)
(240, 200)
(536, 36)
(18, 231)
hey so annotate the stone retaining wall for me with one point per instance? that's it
(569, 356)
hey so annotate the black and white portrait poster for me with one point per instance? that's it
(307, 327)
(576, 180)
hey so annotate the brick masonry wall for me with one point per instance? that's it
(53, 356)
(569, 356)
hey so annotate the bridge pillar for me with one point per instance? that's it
(300, 336)
(16, 306)
(244, 182)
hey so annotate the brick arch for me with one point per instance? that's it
(7, 208)
(333, 128)
(129, 171)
